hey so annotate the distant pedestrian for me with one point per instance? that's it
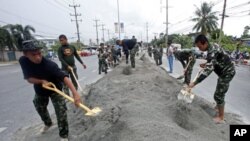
(161, 54)
(38, 70)
(150, 51)
(157, 55)
(102, 56)
(114, 55)
(66, 54)
(170, 57)
(219, 62)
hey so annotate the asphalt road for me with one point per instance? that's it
(16, 95)
(238, 95)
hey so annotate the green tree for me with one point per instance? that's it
(246, 32)
(5, 39)
(20, 33)
(56, 47)
(206, 20)
(184, 40)
(215, 35)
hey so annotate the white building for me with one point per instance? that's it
(49, 42)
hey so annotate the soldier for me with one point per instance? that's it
(114, 55)
(161, 54)
(38, 70)
(156, 54)
(102, 56)
(66, 54)
(129, 45)
(149, 51)
(219, 62)
(186, 57)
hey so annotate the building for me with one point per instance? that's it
(49, 42)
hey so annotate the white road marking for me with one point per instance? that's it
(2, 129)
(94, 70)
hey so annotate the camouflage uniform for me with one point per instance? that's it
(102, 60)
(157, 55)
(161, 54)
(58, 101)
(184, 57)
(132, 54)
(219, 62)
(149, 51)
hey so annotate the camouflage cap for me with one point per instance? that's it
(30, 45)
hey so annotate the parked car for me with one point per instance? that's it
(85, 53)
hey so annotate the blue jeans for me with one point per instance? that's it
(170, 62)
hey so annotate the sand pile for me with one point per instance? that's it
(139, 105)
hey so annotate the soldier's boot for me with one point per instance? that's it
(220, 117)
(126, 61)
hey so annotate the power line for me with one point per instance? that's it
(96, 25)
(63, 5)
(238, 6)
(54, 28)
(57, 6)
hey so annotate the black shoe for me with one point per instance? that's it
(126, 62)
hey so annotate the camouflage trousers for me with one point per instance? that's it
(188, 73)
(101, 62)
(132, 55)
(222, 88)
(65, 87)
(41, 103)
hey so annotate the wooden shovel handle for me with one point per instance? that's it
(52, 87)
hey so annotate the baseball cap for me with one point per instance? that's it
(30, 45)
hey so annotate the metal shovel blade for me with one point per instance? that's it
(185, 96)
(95, 111)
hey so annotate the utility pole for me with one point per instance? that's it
(76, 20)
(108, 35)
(96, 25)
(119, 24)
(141, 36)
(147, 32)
(166, 23)
(222, 21)
(103, 39)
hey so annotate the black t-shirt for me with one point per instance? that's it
(128, 44)
(46, 70)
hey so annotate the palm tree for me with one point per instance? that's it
(205, 18)
(5, 41)
(20, 33)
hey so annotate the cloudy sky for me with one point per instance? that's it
(51, 18)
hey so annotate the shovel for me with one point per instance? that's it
(186, 94)
(95, 111)
(182, 76)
